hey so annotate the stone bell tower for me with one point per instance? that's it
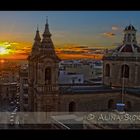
(43, 74)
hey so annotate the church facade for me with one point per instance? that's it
(46, 95)
(122, 65)
(43, 74)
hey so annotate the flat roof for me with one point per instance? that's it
(133, 91)
(87, 89)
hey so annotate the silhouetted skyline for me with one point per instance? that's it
(70, 29)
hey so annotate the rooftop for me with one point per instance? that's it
(119, 58)
(130, 27)
(134, 91)
(87, 89)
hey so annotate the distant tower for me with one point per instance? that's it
(43, 74)
(123, 63)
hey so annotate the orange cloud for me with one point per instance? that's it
(79, 56)
(21, 50)
(109, 34)
(79, 52)
(15, 50)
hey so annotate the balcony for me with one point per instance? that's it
(48, 88)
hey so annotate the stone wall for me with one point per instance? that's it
(115, 78)
(97, 101)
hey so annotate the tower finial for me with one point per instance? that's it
(130, 22)
(37, 28)
(46, 19)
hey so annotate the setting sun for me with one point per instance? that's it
(2, 61)
(3, 51)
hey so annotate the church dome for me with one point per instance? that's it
(129, 43)
(130, 27)
(129, 48)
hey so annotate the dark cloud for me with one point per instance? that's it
(72, 52)
(81, 47)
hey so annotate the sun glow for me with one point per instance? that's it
(2, 61)
(3, 51)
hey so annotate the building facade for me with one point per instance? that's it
(90, 69)
(8, 92)
(23, 85)
(122, 65)
(70, 78)
(43, 74)
(45, 94)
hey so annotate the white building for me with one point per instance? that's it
(90, 69)
(70, 78)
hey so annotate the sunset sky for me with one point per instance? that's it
(75, 34)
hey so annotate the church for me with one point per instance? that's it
(121, 73)
(122, 65)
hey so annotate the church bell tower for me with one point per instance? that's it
(43, 74)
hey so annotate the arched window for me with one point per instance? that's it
(128, 105)
(133, 37)
(129, 37)
(125, 37)
(35, 107)
(107, 70)
(72, 106)
(125, 71)
(48, 75)
(111, 104)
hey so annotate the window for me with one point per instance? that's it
(125, 37)
(48, 75)
(133, 37)
(129, 37)
(107, 70)
(73, 81)
(111, 104)
(35, 106)
(25, 81)
(125, 71)
(25, 109)
(25, 91)
(128, 105)
(25, 100)
(72, 106)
